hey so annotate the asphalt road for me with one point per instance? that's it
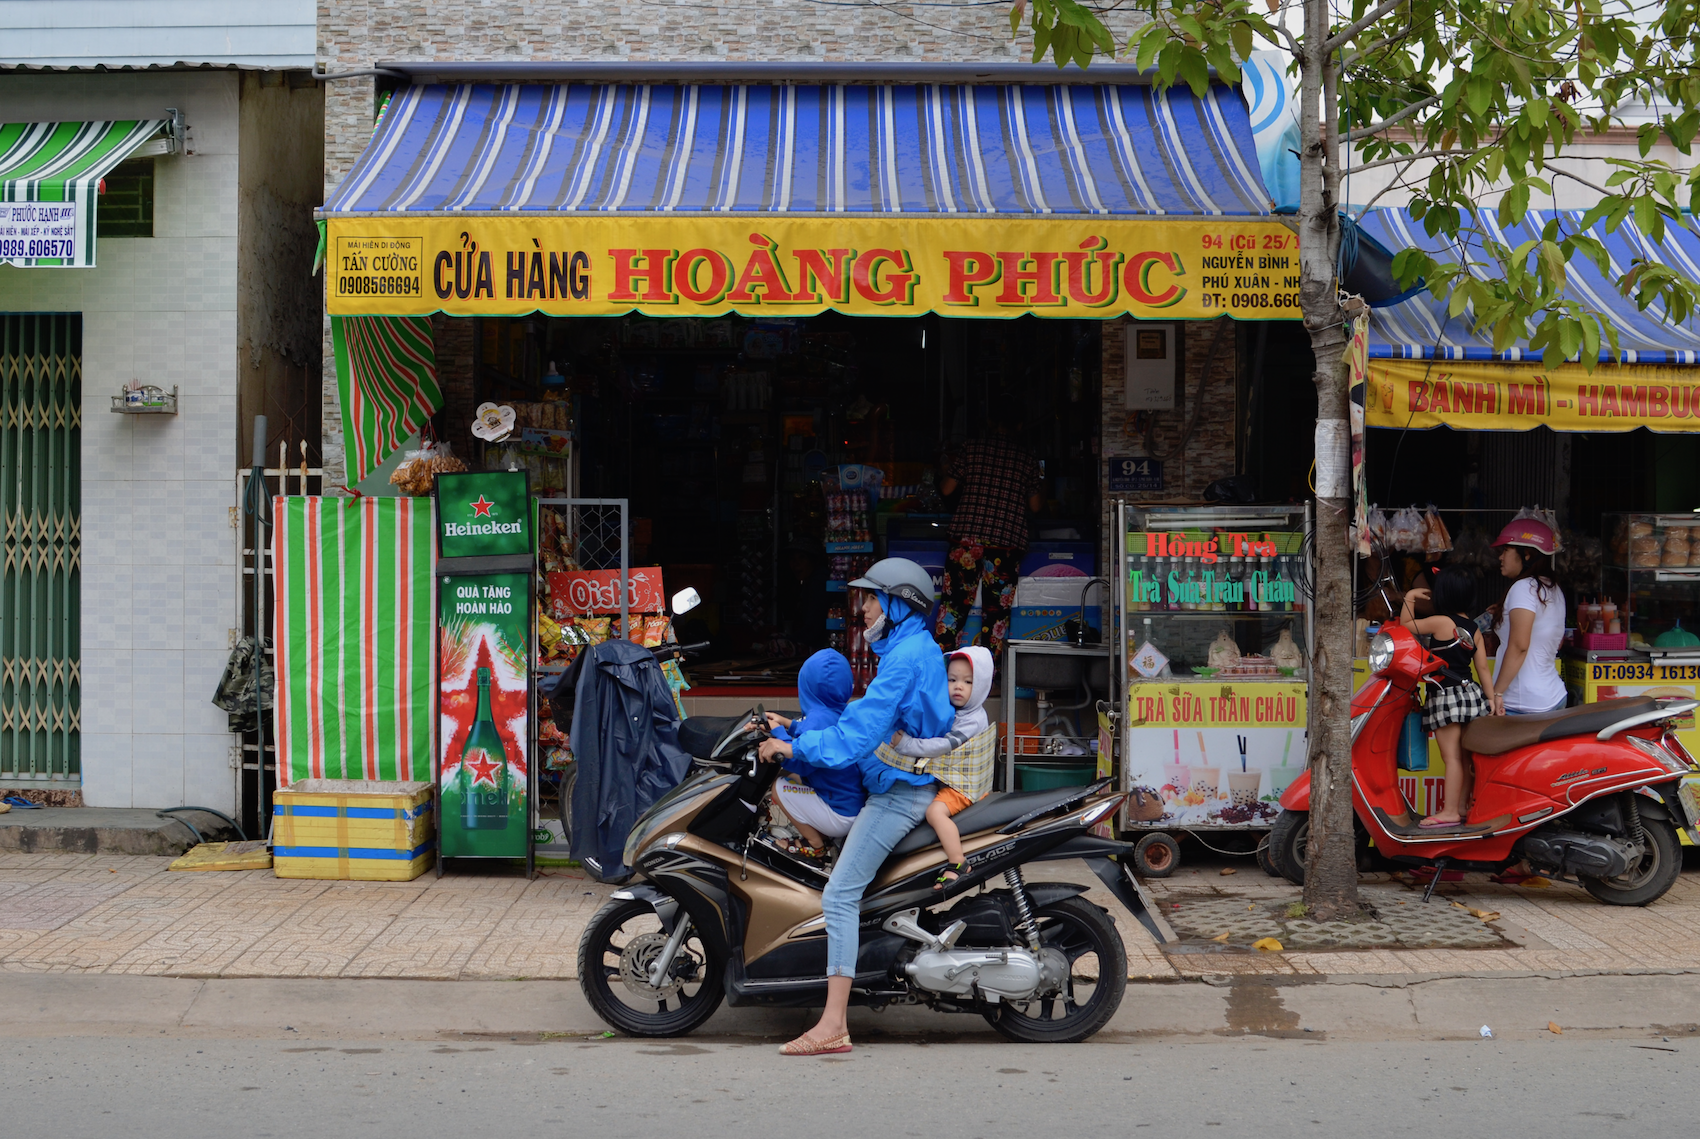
(175, 1087)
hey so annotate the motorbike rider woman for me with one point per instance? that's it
(909, 693)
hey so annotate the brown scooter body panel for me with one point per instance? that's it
(931, 856)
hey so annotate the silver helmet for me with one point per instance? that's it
(902, 579)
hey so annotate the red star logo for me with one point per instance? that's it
(481, 508)
(483, 771)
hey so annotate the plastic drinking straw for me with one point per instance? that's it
(1241, 741)
(1201, 754)
(1285, 748)
(1177, 747)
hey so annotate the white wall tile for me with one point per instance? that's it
(107, 767)
(208, 780)
(156, 778)
(202, 669)
(108, 692)
(157, 679)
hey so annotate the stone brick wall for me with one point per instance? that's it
(355, 34)
(1209, 451)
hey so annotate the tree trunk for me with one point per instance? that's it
(1331, 874)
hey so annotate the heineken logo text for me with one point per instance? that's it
(475, 529)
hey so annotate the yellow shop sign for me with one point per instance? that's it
(1516, 396)
(799, 266)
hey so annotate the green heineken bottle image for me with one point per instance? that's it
(484, 780)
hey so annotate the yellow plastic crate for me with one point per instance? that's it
(351, 829)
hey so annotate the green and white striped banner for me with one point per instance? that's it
(386, 372)
(49, 177)
(355, 639)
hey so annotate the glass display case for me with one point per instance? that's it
(1633, 638)
(1214, 635)
(1649, 586)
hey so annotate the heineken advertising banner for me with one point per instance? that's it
(484, 706)
(484, 667)
(799, 266)
(1515, 396)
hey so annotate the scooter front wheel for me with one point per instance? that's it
(1287, 841)
(622, 940)
(1649, 878)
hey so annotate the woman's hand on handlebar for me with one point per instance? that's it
(775, 720)
(772, 750)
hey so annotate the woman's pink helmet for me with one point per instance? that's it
(1530, 532)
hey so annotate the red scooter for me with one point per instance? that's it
(1592, 794)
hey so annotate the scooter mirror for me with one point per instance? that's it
(685, 600)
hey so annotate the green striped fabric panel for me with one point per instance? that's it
(355, 638)
(386, 372)
(49, 179)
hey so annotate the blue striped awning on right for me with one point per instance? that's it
(1012, 150)
(1420, 329)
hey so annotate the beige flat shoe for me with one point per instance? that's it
(803, 1046)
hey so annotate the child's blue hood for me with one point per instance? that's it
(824, 685)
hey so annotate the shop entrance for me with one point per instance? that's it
(718, 432)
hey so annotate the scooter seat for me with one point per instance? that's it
(989, 813)
(1496, 735)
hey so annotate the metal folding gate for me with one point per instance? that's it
(41, 578)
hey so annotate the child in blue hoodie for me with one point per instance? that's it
(823, 805)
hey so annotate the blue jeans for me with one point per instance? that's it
(882, 824)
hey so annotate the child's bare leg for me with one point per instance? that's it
(1453, 755)
(810, 835)
(945, 827)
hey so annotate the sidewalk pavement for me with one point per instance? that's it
(113, 914)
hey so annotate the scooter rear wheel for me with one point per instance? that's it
(1648, 880)
(618, 945)
(1287, 841)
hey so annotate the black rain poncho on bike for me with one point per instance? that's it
(625, 738)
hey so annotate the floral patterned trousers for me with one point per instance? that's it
(994, 569)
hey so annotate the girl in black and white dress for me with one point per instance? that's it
(1458, 699)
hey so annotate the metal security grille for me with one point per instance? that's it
(41, 578)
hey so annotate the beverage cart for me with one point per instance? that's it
(1213, 638)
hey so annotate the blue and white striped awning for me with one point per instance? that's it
(1419, 328)
(807, 150)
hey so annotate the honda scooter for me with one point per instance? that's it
(1591, 794)
(722, 912)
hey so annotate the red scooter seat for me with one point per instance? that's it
(1496, 735)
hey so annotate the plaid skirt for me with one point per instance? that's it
(1456, 704)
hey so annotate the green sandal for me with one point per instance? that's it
(950, 874)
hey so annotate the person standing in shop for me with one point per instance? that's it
(999, 481)
(1531, 623)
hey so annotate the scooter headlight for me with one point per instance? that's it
(1380, 653)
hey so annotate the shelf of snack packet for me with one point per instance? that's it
(1215, 626)
(850, 493)
(578, 608)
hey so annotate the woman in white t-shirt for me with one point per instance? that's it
(1531, 624)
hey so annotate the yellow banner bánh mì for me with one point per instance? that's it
(1515, 396)
(799, 266)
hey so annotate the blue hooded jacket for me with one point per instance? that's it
(909, 692)
(824, 685)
